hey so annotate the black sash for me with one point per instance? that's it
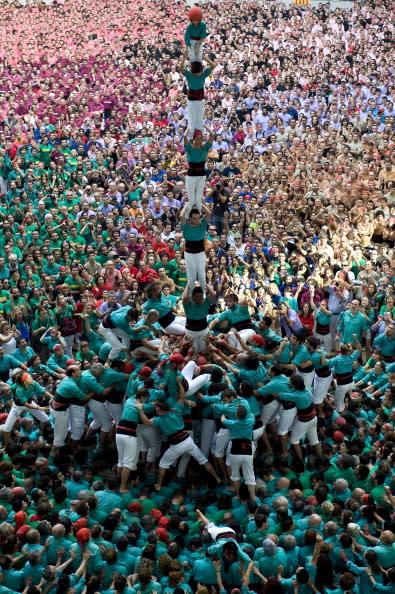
(323, 372)
(194, 247)
(107, 321)
(243, 325)
(126, 428)
(306, 414)
(307, 369)
(322, 329)
(178, 437)
(241, 447)
(197, 169)
(196, 325)
(344, 378)
(167, 319)
(195, 94)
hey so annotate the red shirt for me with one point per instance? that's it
(147, 276)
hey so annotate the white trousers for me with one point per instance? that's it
(101, 416)
(195, 52)
(214, 531)
(16, 411)
(194, 185)
(270, 412)
(241, 464)
(177, 327)
(307, 378)
(221, 442)
(142, 349)
(115, 411)
(69, 340)
(188, 446)
(244, 334)
(320, 388)
(117, 338)
(199, 343)
(61, 426)
(287, 418)
(149, 440)
(208, 431)
(302, 429)
(326, 341)
(196, 269)
(76, 421)
(195, 115)
(128, 452)
(340, 395)
(198, 382)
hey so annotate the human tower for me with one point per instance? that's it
(194, 226)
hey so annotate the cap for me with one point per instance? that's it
(80, 523)
(177, 358)
(156, 513)
(163, 535)
(135, 507)
(340, 421)
(145, 371)
(164, 522)
(201, 361)
(70, 362)
(197, 133)
(338, 436)
(57, 347)
(258, 339)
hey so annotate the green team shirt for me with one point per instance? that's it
(170, 422)
(195, 233)
(197, 312)
(197, 155)
(25, 394)
(237, 314)
(198, 31)
(196, 82)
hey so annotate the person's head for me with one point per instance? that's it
(197, 295)
(194, 217)
(196, 67)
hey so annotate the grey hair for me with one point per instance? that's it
(97, 369)
(289, 542)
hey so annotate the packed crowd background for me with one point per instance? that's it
(299, 204)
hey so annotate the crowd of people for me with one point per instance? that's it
(197, 309)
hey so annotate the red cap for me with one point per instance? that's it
(128, 368)
(338, 436)
(177, 358)
(22, 531)
(201, 361)
(70, 362)
(145, 371)
(163, 535)
(156, 513)
(365, 498)
(19, 519)
(312, 500)
(57, 347)
(341, 421)
(164, 522)
(135, 507)
(258, 339)
(197, 133)
(80, 523)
